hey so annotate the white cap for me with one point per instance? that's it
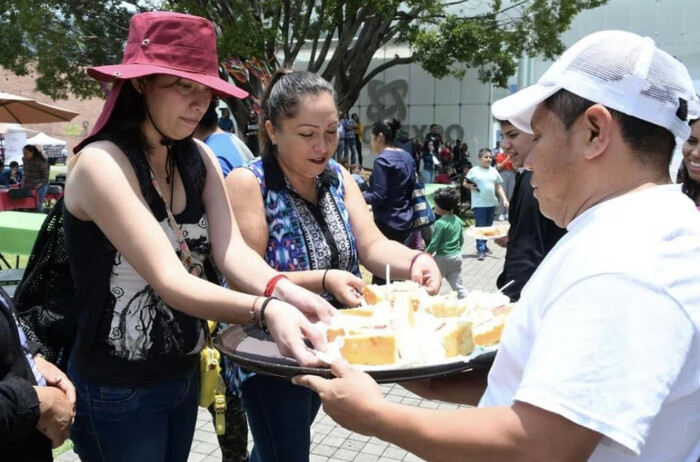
(620, 70)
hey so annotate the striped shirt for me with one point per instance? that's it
(35, 173)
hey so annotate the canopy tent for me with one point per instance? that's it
(42, 139)
(5, 128)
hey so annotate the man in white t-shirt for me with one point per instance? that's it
(601, 359)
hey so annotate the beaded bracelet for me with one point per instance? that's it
(323, 281)
(263, 323)
(270, 287)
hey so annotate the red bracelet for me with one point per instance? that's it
(413, 260)
(270, 287)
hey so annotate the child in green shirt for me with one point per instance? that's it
(447, 240)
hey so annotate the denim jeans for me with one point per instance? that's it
(428, 176)
(280, 415)
(154, 424)
(340, 150)
(40, 195)
(350, 150)
(483, 217)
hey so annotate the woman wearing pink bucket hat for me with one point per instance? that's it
(145, 207)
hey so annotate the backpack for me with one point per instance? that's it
(46, 299)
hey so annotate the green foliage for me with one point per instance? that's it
(56, 39)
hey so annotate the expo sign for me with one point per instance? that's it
(389, 100)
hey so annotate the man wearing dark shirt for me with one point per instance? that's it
(251, 133)
(4, 177)
(433, 136)
(531, 235)
(37, 400)
(15, 174)
(225, 122)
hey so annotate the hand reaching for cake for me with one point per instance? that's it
(288, 328)
(314, 307)
(425, 272)
(344, 286)
(351, 399)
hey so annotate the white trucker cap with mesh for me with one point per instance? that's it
(620, 70)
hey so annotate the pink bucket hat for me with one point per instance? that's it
(165, 43)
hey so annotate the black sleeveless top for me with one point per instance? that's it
(127, 335)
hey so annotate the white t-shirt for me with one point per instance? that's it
(607, 331)
(486, 178)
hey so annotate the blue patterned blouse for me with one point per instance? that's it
(303, 236)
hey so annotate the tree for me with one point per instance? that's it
(340, 36)
(56, 40)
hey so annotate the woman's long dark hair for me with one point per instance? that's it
(36, 153)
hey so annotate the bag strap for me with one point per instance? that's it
(186, 255)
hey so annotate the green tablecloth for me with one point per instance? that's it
(18, 231)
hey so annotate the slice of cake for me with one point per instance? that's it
(374, 294)
(443, 306)
(371, 348)
(334, 332)
(457, 338)
(489, 332)
(360, 311)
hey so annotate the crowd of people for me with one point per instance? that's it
(171, 220)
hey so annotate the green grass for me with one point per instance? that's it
(58, 169)
(12, 259)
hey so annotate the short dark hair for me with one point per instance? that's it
(447, 198)
(14, 164)
(654, 143)
(484, 151)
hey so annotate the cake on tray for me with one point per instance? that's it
(401, 325)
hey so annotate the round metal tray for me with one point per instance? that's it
(252, 349)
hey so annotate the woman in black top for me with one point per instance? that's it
(145, 207)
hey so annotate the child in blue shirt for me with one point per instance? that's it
(485, 182)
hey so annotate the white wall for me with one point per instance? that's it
(462, 107)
